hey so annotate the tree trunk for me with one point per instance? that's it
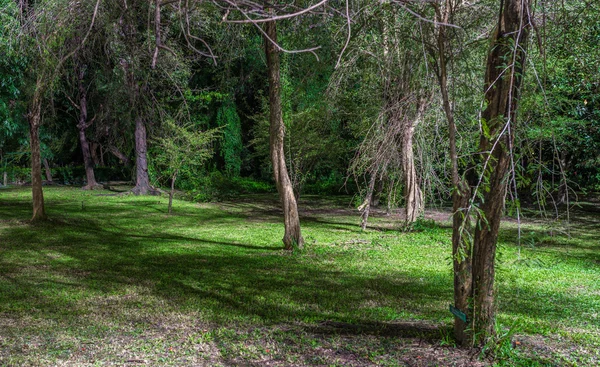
(390, 196)
(365, 208)
(96, 158)
(142, 182)
(34, 117)
(461, 195)
(117, 153)
(47, 170)
(172, 192)
(502, 86)
(82, 126)
(292, 236)
(413, 197)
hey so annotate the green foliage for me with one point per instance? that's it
(231, 139)
(181, 149)
(217, 187)
(561, 107)
(12, 68)
(422, 224)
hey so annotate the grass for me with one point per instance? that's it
(114, 280)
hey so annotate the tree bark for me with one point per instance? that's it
(96, 158)
(172, 192)
(502, 87)
(47, 170)
(365, 208)
(142, 184)
(292, 236)
(35, 119)
(82, 126)
(117, 153)
(461, 194)
(413, 196)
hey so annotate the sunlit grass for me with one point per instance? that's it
(112, 279)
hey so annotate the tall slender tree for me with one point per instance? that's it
(293, 235)
(82, 125)
(45, 25)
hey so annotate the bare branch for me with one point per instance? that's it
(277, 17)
(349, 35)
(420, 17)
(279, 48)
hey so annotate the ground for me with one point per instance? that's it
(112, 280)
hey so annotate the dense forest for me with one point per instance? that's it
(490, 107)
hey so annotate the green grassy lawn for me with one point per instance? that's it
(113, 280)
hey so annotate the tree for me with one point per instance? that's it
(45, 25)
(36, 31)
(474, 263)
(180, 147)
(83, 124)
(292, 237)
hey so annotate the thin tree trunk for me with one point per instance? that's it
(117, 153)
(292, 236)
(5, 178)
(101, 157)
(390, 197)
(377, 189)
(502, 94)
(365, 208)
(47, 170)
(461, 194)
(142, 184)
(96, 158)
(172, 192)
(34, 117)
(82, 126)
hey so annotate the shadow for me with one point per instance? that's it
(106, 266)
(398, 329)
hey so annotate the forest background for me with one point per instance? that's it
(407, 103)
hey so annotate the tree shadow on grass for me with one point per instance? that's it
(274, 285)
(100, 268)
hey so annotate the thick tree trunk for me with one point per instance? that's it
(47, 170)
(82, 126)
(34, 117)
(142, 182)
(413, 197)
(502, 86)
(462, 261)
(292, 236)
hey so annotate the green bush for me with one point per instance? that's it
(333, 184)
(216, 186)
(17, 175)
(68, 175)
